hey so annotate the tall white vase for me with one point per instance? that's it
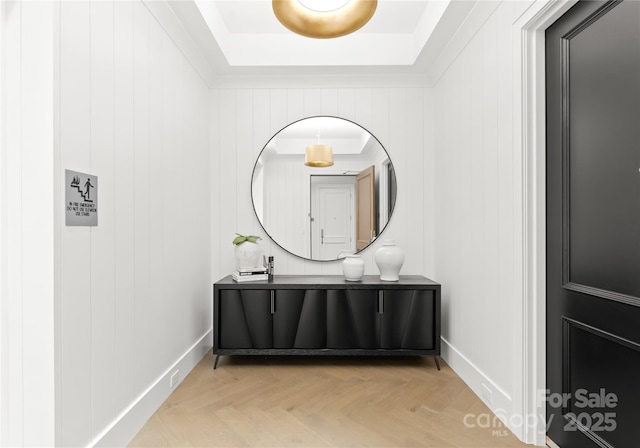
(247, 255)
(389, 259)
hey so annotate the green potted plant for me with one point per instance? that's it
(247, 251)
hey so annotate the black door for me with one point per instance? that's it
(593, 226)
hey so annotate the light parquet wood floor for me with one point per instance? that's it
(322, 402)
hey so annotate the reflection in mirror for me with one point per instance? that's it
(323, 213)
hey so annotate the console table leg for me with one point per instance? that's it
(215, 364)
(437, 363)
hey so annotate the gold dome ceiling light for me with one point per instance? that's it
(336, 18)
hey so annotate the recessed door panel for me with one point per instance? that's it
(593, 222)
(601, 385)
(602, 156)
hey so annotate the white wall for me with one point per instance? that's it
(479, 211)
(26, 225)
(244, 119)
(132, 294)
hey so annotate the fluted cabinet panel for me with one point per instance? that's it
(340, 330)
(286, 317)
(407, 319)
(257, 311)
(394, 317)
(352, 319)
(246, 315)
(312, 325)
(234, 332)
(365, 320)
(419, 331)
(324, 315)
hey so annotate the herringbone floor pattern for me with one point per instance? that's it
(323, 402)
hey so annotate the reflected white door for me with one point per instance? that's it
(332, 212)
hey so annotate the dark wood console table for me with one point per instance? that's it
(327, 315)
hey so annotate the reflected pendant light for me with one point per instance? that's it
(319, 156)
(324, 19)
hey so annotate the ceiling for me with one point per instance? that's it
(243, 37)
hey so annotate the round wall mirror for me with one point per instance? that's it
(323, 187)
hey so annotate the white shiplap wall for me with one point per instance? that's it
(244, 119)
(27, 402)
(479, 211)
(133, 294)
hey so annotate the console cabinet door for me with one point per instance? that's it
(300, 319)
(408, 320)
(332, 319)
(352, 319)
(245, 319)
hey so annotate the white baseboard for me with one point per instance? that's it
(131, 420)
(490, 393)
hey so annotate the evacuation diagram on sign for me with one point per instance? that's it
(75, 183)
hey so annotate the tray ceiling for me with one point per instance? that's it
(243, 36)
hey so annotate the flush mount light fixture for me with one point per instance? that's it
(324, 19)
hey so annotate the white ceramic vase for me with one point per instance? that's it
(247, 255)
(389, 259)
(353, 268)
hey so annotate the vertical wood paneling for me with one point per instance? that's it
(489, 184)
(476, 203)
(166, 183)
(329, 101)
(157, 291)
(227, 214)
(508, 196)
(135, 290)
(430, 183)
(414, 241)
(215, 123)
(195, 108)
(36, 96)
(123, 211)
(172, 205)
(244, 154)
(471, 200)
(278, 118)
(12, 240)
(363, 108)
(103, 295)
(75, 143)
(398, 147)
(141, 196)
(180, 200)
(395, 116)
(312, 102)
(347, 104)
(27, 410)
